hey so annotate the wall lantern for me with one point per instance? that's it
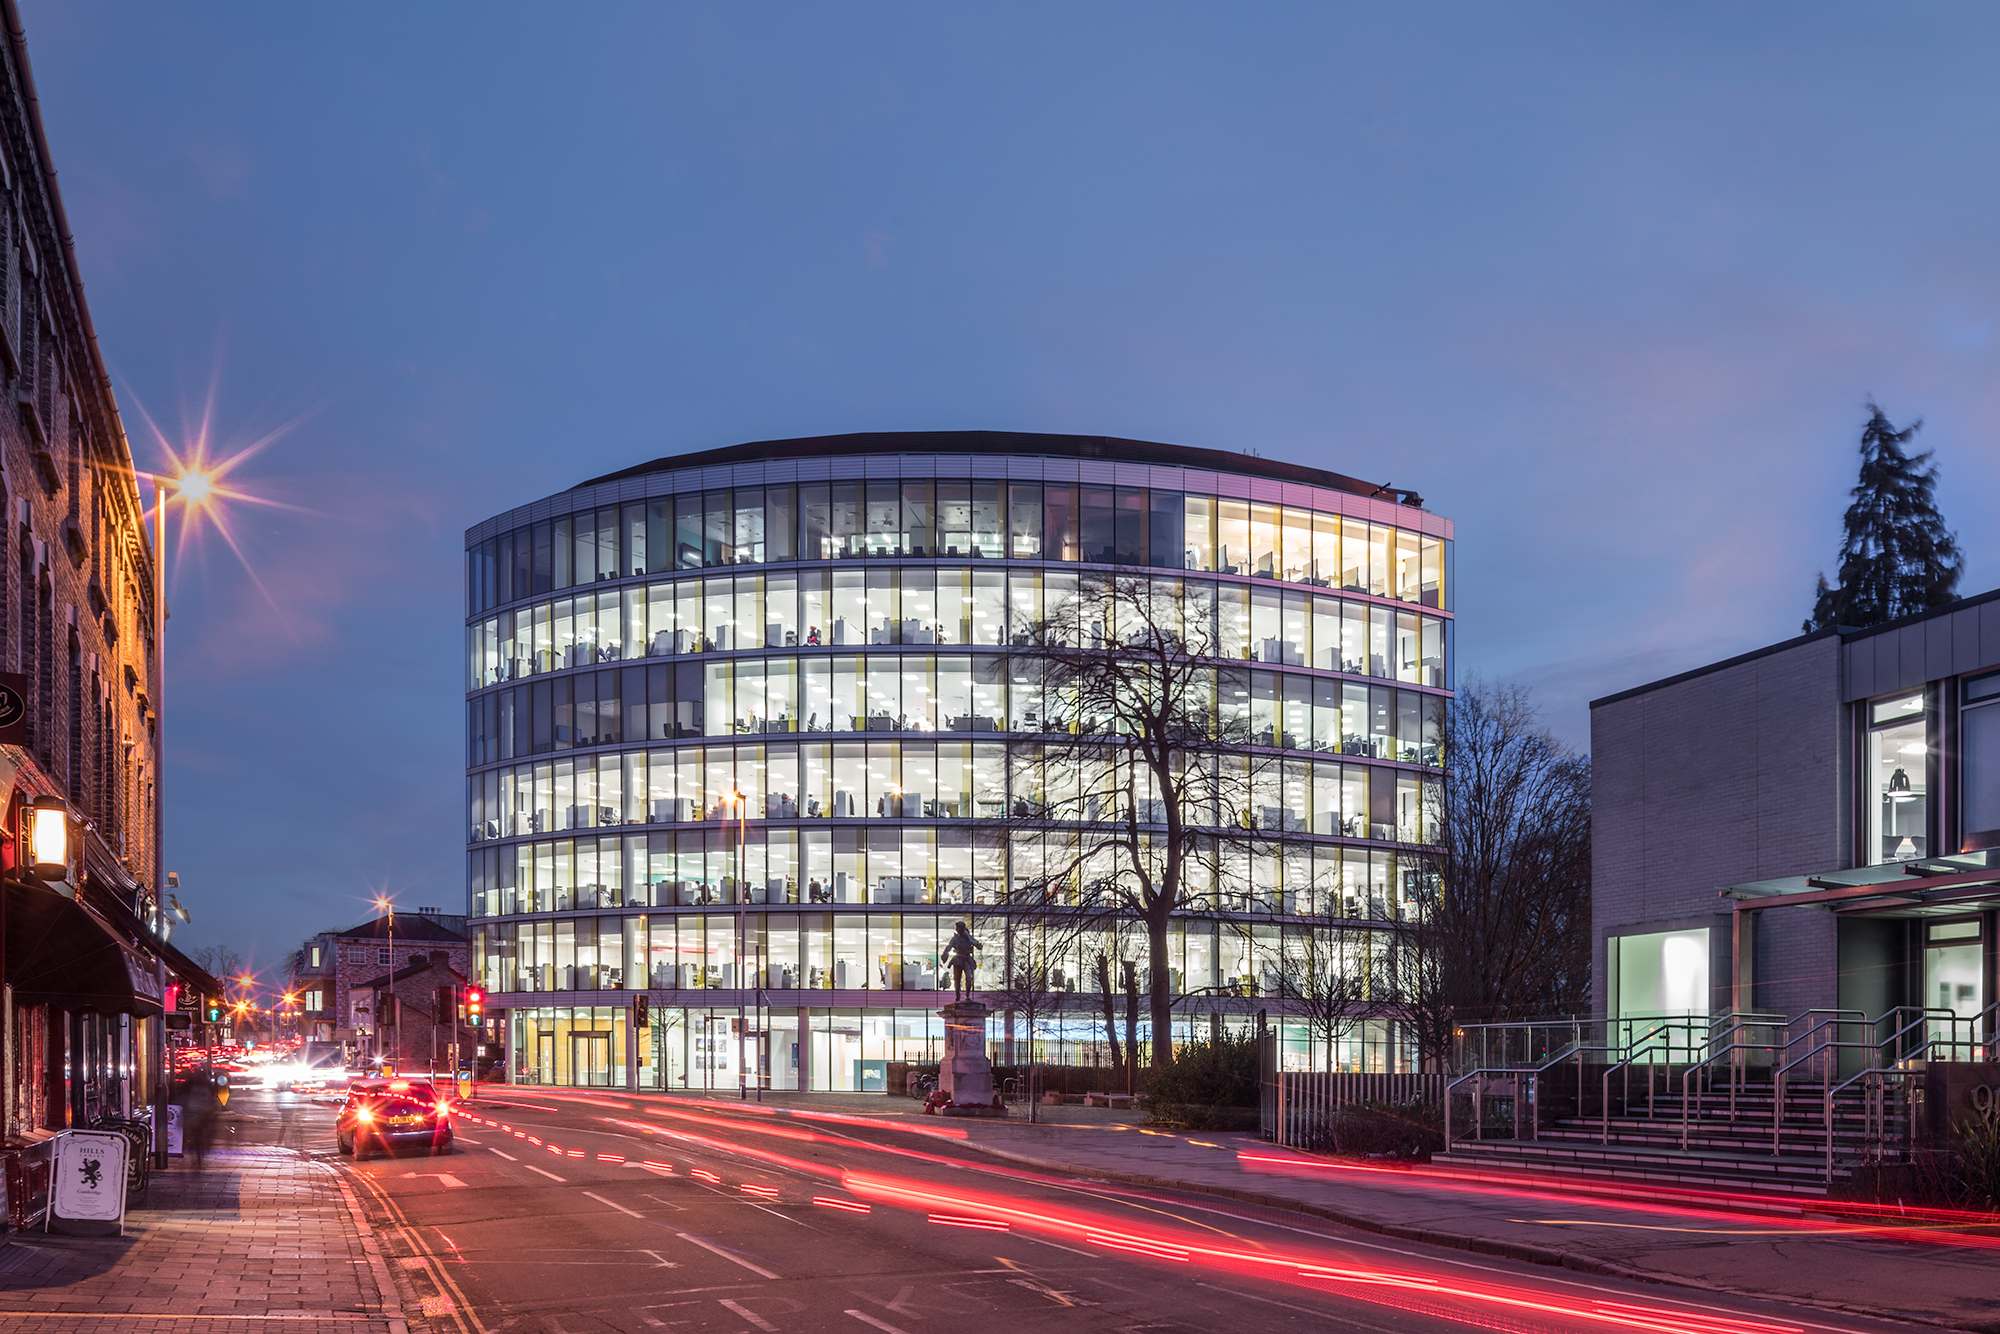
(48, 838)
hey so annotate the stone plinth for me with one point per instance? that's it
(966, 1072)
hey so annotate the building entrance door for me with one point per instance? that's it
(590, 1060)
(1955, 980)
(545, 1058)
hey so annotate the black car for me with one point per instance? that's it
(391, 1114)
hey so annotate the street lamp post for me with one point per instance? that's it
(742, 947)
(382, 904)
(193, 489)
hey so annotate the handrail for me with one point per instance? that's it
(1641, 1047)
(1514, 1074)
(1877, 1050)
(1731, 1049)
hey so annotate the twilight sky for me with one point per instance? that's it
(1609, 284)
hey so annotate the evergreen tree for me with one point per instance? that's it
(1896, 555)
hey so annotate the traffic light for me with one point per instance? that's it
(475, 1005)
(211, 1009)
(641, 1011)
(446, 1004)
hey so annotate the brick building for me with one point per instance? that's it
(1815, 824)
(78, 674)
(333, 973)
(425, 1028)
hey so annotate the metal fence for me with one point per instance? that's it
(1299, 1104)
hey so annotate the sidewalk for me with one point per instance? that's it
(264, 1240)
(1784, 1252)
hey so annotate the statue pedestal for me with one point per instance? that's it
(966, 1072)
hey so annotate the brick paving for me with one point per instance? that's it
(264, 1240)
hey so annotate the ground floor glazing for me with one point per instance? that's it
(850, 1049)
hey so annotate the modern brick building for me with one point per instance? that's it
(1812, 825)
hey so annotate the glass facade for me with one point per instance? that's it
(764, 738)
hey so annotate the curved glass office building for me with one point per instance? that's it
(749, 730)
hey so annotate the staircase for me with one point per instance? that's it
(1724, 1149)
(1777, 1105)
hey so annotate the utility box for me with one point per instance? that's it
(1957, 1092)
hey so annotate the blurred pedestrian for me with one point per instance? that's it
(201, 1110)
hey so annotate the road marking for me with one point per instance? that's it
(1088, 1255)
(730, 1256)
(852, 1206)
(473, 1142)
(1060, 1298)
(750, 1315)
(508, 1156)
(550, 1175)
(619, 1207)
(882, 1325)
(447, 1178)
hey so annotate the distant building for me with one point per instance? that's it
(333, 974)
(1813, 825)
(424, 1030)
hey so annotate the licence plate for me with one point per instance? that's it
(405, 1120)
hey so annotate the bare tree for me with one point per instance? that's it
(1334, 976)
(1502, 928)
(1148, 770)
(219, 961)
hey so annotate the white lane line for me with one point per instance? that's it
(550, 1175)
(750, 1316)
(731, 1257)
(1088, 1255)
(508, 1156)
(462, 1139)
(619, 1207)
(867, 1319)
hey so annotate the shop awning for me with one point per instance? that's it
(60, 953)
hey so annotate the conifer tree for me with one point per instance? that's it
(1896, 555)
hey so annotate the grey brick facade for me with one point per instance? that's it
(1749, 770)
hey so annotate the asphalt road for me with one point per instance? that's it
(578, 1213)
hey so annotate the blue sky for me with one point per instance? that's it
(1609, 284)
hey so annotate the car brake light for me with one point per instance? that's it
(444, 1109)
(363, 1114)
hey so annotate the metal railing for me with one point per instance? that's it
(1862, 1072)
(1729, 1051)
(1307, 1100)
